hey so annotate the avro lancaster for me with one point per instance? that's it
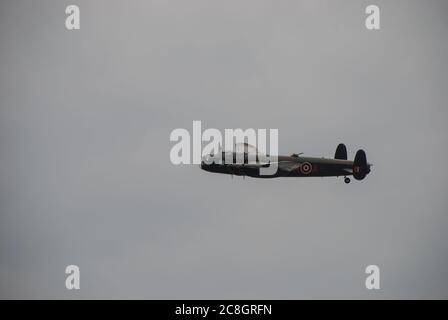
(294, 165)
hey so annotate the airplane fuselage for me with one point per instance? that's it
(319, 167)
(289, 166)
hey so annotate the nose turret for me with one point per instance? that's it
(207, 162)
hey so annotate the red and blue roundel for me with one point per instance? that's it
(306, 168)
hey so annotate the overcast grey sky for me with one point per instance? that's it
(85, 176)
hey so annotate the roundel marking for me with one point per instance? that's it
(306, 168)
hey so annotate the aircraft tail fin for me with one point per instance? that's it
(341, 152)
(360, 166)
